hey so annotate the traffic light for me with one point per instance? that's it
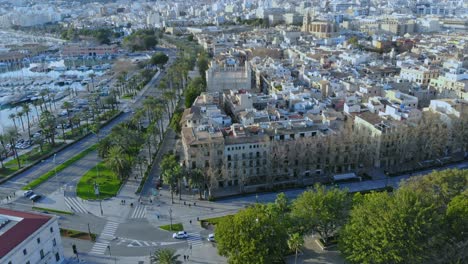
(74, 249)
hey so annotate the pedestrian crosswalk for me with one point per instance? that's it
(109, 230)
(75, 205)
(107, 234)
(139, 212)
(99, 248)
(195, 239)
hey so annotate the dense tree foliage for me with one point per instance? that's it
(143, 39)
(254, 235)
(321, 210)
(159, 59)
(420, 223)
(424, 221)
(194, 89)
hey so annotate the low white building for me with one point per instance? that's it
(29, 238)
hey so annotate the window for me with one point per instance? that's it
(42, 253)
(38, 240)
(54, 242)
(57, 256)
(25, 252)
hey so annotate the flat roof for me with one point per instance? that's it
(26, 224)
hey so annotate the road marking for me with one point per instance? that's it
(195, 239)
(99, 248)
(109, 230)
(103, 241)
(75, 205)
(141, 243)
(139, 212)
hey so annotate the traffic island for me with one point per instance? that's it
(175, 227)
(77, 234)
(101, 176)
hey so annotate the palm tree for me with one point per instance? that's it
(20, 115)
(36, 103)
(12, 136)
(48, 124)
(295, 242)
(67, 106)
(118, 161)
(196, 180)
(165, 256)
(27, 110)
(43, 93)
(12, 116)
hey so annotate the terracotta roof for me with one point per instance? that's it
(21, 230)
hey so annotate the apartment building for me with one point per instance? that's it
(29, 238)
(76, 50)
(421, 75)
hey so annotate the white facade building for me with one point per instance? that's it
(29, 238)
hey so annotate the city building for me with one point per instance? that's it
(29, 238)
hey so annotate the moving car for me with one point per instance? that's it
(35, 197)
(211, 238)
(180, 235)
(28, 193)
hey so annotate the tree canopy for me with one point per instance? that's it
(420, 223)
(252, 236)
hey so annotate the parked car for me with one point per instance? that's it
(211, 238)
(35, 197)
(180, 235)
(28, 193)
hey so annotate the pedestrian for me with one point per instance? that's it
(189, 205)
(198, 218)
(158, 216)
(188, 255)
(194, 204)
(185, 257)
(185, 203)
(151, 200)
(190, 221)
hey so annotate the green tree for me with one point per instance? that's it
(48, 124)
(171, 172)
(119, 162)
(457, 216)
(295, 243)
(196, 180)
(27, 110)
(195, 87)
(11, 136)
(251, 236)
(150, 41)
(321, 210)
(391, 229)
(12, 116)
(159, 59)
(165, 256)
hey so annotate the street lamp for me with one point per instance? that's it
(55, 165)
(96, 186)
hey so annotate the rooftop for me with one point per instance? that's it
(19, 227)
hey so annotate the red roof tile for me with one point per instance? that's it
(21, 230)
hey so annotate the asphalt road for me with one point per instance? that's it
(80, 167)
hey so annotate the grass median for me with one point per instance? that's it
(50, 210)
(109, 184)
(46, 176)
(175, 227)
